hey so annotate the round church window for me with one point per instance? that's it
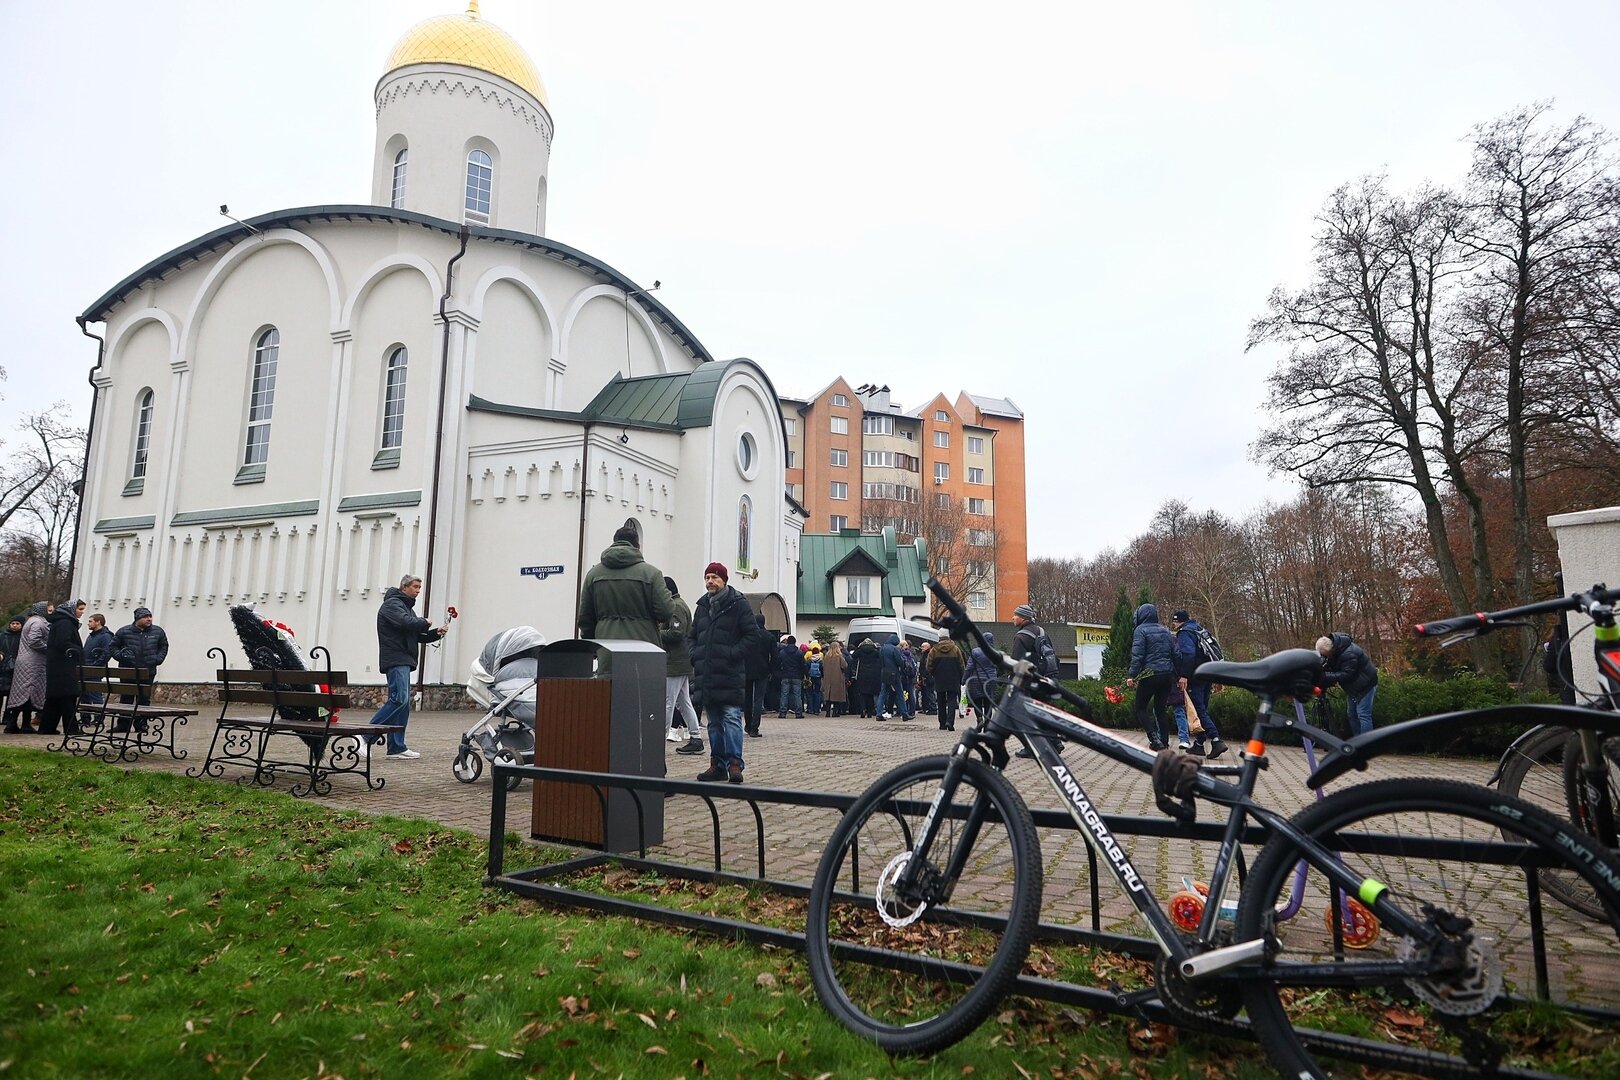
(747, 456)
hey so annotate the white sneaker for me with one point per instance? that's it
(888, 716)
(406, 755)
(674, 736)
(1185, 746)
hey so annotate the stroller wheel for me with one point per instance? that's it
(468, 765)
(504, 756)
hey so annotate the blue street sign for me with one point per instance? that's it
(540, 572)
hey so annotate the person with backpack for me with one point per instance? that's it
(1196, 645)
(1031, 643)
(813, 669)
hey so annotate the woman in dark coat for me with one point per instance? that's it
(868, 675)
(10, 642)
(64, 650)
(945, 670)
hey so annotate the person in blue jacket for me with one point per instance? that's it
(1152, 671)
(790, 669)
(891, 695)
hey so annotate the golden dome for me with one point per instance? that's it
(471, 42)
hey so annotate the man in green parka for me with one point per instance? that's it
(623, 596)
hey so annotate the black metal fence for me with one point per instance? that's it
(543, 883)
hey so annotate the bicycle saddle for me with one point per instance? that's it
(1293, 672)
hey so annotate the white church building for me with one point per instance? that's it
(294, 411)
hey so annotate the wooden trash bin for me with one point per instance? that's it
(599, 708)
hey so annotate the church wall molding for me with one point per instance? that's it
(585, 296)
(373, 276)
(426, 80)
(134, 321)
(240, 253)
(526, 285)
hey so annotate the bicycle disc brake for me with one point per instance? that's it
(1468, 991)
(894, 909)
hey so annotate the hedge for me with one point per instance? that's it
(1400, 698)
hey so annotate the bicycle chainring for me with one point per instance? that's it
(1211, 1001)
(1468, 992)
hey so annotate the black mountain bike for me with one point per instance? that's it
(1566, 769)
(928, 896)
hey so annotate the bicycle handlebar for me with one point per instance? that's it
(961, 621)
(1483, 622)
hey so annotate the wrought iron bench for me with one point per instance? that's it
(303, 707)
(115, 720)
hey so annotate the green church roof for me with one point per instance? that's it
(822, 554)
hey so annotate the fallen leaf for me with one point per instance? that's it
(649, 1021)
(1402, 1018)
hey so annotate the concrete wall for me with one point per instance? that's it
(1589, 551)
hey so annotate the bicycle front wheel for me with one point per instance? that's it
(1462, 860)
(917, 971)
(1542, 771)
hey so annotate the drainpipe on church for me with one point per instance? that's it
(584, 496)
(89, 441)
(438, 451)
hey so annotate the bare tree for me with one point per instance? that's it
(963, 548)
(1543, 210)
(1375, 387)
(48, 446)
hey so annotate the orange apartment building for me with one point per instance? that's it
(949, 471)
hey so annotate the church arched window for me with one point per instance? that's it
(480, 182)
(261, 399)
(393, 412)
(396, 198)
(143, 436)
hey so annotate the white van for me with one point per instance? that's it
(915, 631)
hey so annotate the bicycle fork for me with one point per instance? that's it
(906, 884)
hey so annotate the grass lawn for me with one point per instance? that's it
(157, 926)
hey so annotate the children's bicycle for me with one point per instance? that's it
(928, 896)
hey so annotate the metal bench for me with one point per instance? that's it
(115, 720)
(302, 706)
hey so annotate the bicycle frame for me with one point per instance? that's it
(1034, 723)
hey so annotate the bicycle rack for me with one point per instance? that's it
(537, 883)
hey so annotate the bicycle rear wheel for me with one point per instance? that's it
(1459, 857)
(1541, 771)
(904, 972)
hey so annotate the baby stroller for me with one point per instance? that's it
(502, 681)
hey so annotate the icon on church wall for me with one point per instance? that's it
(745, 513)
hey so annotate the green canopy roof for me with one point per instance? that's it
(821, 555)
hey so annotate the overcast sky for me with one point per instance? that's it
(1077, 206)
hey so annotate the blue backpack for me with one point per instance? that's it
(815, 669)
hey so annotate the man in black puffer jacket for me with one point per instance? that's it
(723, 630)
(141, 644)
(1347, 665)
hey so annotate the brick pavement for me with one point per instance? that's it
(842, 754)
